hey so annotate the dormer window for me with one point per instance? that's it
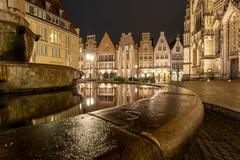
(61, 12)
(48, 5)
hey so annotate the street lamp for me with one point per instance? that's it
(90, 58)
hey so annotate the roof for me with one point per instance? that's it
(106, 40)
(54, 9)
(172, 43)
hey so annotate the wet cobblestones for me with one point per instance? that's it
(218, 139)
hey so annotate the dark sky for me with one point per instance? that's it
(136, 16)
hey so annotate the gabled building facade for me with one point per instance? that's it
(127, 56)
(162, 59)
(163, 63)
(177, 59)
(211, 39)
(145, 56)
(106, 58)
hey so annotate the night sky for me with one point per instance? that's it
(136, 16)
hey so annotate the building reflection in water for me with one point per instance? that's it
(17, 111)
(98, 96)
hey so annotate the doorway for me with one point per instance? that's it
(234, 68)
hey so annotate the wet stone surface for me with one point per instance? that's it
(220, 93)
(152, 128)
(218, 139)
(84, 137)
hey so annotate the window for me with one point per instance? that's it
(40, 13)
(41, 50)
(26, 8)
(42, 32)
(44, 15)
(29, 8)
(159, 48)
(178, 49)
(55, 37)
(166, 56)
(164, 48)
(68, 40)
(126, 47)
(56, 52)
(35, 12)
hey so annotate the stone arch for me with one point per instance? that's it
(112, 75)
(231, 39)
(106, 75)
(217, 38)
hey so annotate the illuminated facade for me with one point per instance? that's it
(145, 56)
(59, 42)
(177, 59)
(211, 39)
(127, 56)
(90, 57)
(104, 61)
(106, 58)
(162, 59)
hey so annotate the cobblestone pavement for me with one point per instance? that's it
(220, 93)
(218, 139)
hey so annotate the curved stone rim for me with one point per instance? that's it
(148, 133)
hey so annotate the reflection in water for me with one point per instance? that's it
(98, 96)
(17, 111)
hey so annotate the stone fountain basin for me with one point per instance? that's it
(155, 128)
(28, 77)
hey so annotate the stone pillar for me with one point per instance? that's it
(225, 50)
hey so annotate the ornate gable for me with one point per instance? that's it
(106, 45)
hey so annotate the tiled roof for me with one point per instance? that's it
(56, 5)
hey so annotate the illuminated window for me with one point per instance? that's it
(55, 37)
(126, 47)
(27, 8)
